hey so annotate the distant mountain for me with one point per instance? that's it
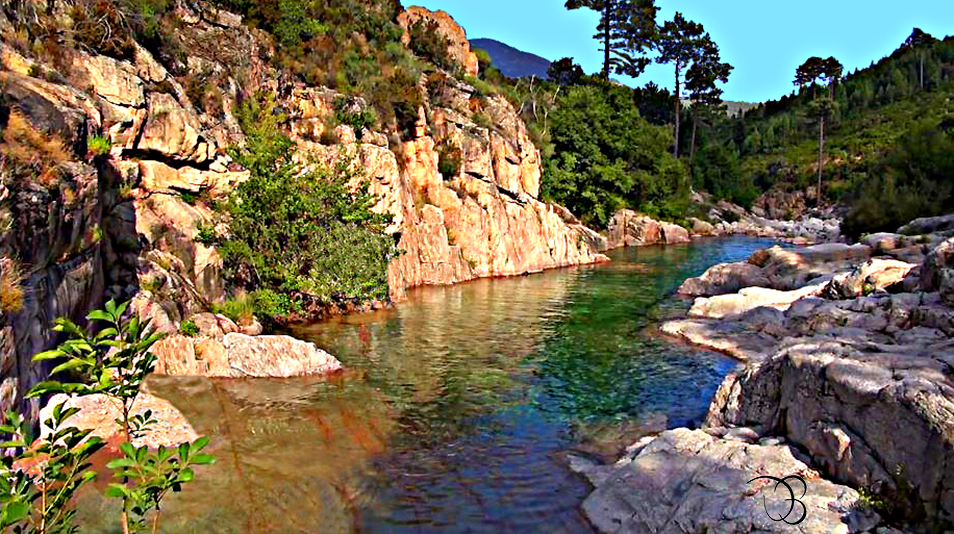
(512, 62)
(735, 108)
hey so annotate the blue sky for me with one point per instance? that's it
(764, 39)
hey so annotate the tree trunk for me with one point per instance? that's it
(821, 148)
(606, 41)
(675, 150)
(922, 70)
(695, 126)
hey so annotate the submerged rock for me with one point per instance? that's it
(238, 355)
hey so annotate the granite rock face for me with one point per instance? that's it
(861, 383)
(691, 481)
(459, 45)
(125, 224)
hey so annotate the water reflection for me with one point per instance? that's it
(460, 408)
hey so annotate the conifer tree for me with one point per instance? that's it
(627, 29)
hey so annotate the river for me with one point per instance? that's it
(458, 409)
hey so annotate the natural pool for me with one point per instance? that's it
(458, 408)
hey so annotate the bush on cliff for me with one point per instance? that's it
(300, 237)
(608, 157)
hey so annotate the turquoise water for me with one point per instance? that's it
(459, 407)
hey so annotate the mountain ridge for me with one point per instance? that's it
(511, 61)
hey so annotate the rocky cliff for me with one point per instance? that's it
(127, 160)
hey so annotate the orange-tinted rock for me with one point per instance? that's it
(460, 46)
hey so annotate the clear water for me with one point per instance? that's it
(459, 407)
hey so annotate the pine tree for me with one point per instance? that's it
(701, 81)
(809, 73)
(680, 42)
(627, 29)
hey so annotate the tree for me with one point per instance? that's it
(919, 40)
(679, 43)
(828, 71)
(565, 72)
(607, 157)
(654, 103)
(701, 81)
(627, 28)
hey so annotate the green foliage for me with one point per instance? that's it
(189, 328)
(114, 361)
(147, 477)
(353, 46)
(715, 169)
(608, 157)
(239, 308)
(300, 236)
(870, 112)
(98, 146)
(626, 29)
(429, 43)
(112, 27)
(450, 160)
(916, 176)
(206, 234)
(38, 500)
(347, 112)
(189, 197)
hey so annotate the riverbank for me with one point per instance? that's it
(847, 349)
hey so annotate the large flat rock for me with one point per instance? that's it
(690, 481)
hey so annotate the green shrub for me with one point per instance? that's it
(429, 43)
(357, 119)
(482, 120)
(915, 176)
(240, 308)
(98, 146)
(189, 328)
(449, 160)
(299, 236)
(39, 479)
(189, 197)
(206, 235)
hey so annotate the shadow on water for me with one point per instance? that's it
(460, 408)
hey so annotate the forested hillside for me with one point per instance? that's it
(888, 151)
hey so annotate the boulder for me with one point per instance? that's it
(847, 403)
(946, 286)
(942, 257)
(882, 242)
(928, 225)
(99, 413)
(702, 228)
(276, 356)
(213, 325)
(724, 278)
(690, 481)
(173, 132)
(873, 275)
(674, 234)
(239, 355)
(753, 297)
(628, 228)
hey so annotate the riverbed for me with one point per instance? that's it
(458, 409)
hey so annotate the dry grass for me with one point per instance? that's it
(11, 288)
(31, 153)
